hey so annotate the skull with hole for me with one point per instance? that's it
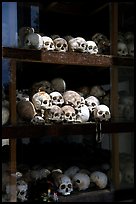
(72, 98)
(61, 45)
(63, 183)
(91, 102)
(101, 113)
(48, 43)
(69, 113)
(91, 47)
(56, 114)
(33, 41)
(41, 101)
(99, 178)
(57, 98)
(23, 32)
(77, 44)
(81, 181)
(122, 49)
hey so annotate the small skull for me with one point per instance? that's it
(81, 181)
(61, 45)
(48, 43)
(72, 98)
(91, 47)
(101, 113)
(91, 102)
(33, 41)
(122, 49)
(55, 114)
(63, 183)
(69, 113)
(99, 178)
(56, 98)
(77, 44)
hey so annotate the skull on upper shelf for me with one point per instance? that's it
(48, 43)
(61, 44)
(91, 47)
(77, 44)
(33, 41)
(122, 49)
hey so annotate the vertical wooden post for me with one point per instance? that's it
(114, 91)
(12, 142)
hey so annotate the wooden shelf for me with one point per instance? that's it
(68, 58)
(23, 131)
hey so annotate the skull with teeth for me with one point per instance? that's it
(56, 98)
(122, 49)
(55, 114)
(33, 41)
(77, 44)
(69, 113)
(92, 102)
(61, 44)
(102, 113)
(48, 43)
(91, 47)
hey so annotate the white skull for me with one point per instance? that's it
(81, 181)
(77, 44)
(38, 120)
(102, 113)
(69, 113)
(61, 45)
(56, 114)
(34, 41)
(58, 84)
(56, 98)
(41, 100)
(5, 115)
(99, 178)
(71, 171)
(91, 47)
(72, 98)
(122, 49)
(130, 47)
(22, 188)
(48, 43)
(63, 183)
(91, 102)
(83, 113)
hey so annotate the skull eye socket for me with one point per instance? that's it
(93, 104)
(67, 114)
(69, 185)
(46, 43)
(58, 45)
(64, 45)
(73, 114)
(45, 102)
(83, 45)
(100, 112)
(90, 47)
(63, 186)
(77, 181)
(56, 114)
(60, 97)
(106, 113)
(54, 98)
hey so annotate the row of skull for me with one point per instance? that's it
(98, 43)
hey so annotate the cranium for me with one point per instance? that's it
(33, 41)
(91, 47)
(122, 49)
(21, 95)
(55, 114)
(58, 84)
(99, 178)
(23, 32)
(63, 183)
(69, 113)
(48, 43)
(102, 42)
(83, 114)
(77, 44)
(72, 98)
(71, 171)
(91, 102)
(102, 113)
(5, 115)
(61, 45)
(56, 98)
(81, 181)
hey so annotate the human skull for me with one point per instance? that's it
(83, 114)
(56, 98)
(102, 42)
(97, 91)
(81, 181)
(38, 120)
(72, 98)
(99, 178)
(41, 100)
(48, 43)
(130, 47)
(58, 84)
(61, 44)
(33, 41)
(91, 102)
(23, 32)
(39, 173)
(22, 188)
(91, 47)
(71, 171)
(102, 113)
(69, 113)
(63, 183)
(122, 49)
(77, 44)
(56, 114)
(5, 115)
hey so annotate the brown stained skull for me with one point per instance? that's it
(72, 98)
(55, 114)
(69, 113)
